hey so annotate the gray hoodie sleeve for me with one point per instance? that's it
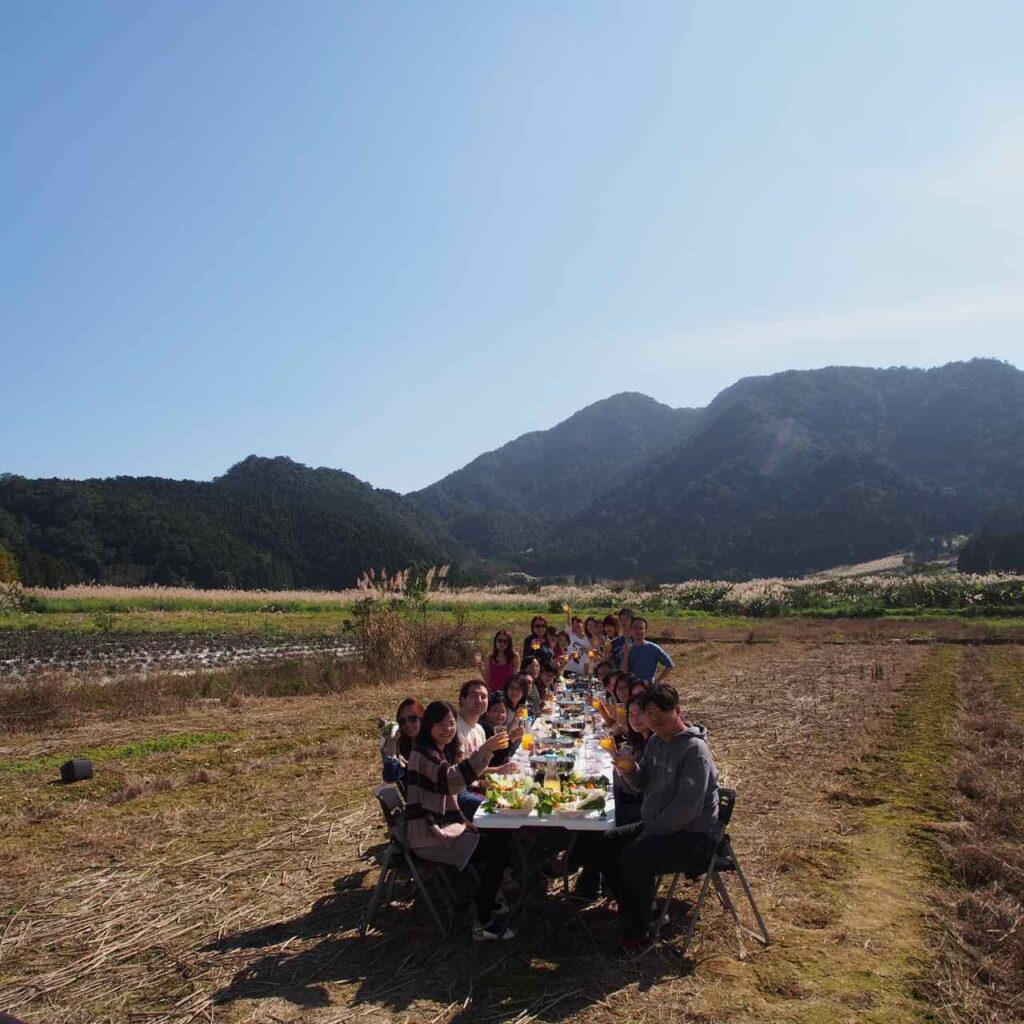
(687, 802)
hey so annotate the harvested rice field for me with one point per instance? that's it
(218, 865)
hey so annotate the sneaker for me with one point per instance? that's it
(495, 929)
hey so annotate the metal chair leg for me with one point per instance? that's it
(665, 904)
(422, 889)
(726, 900)
(566, 870)
(767, 940)
(445, 885)
(695, 916)
(385, 871)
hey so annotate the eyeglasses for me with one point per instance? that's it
(409, 720)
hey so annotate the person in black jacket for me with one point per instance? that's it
(499, 716)
(536, 644)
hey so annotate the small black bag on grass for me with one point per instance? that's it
(75, 770)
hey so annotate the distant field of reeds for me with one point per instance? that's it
(947, 592)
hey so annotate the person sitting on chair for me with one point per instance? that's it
(397, 739)
(498, 718)
(473, 697)
(678, 827)
(437, 829)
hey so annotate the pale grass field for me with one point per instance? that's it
(939, 591)
(230, 887)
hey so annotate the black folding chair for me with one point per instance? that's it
(398, 857)
(723, 860)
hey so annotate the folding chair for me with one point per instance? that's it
(722, 860)
(398, 856)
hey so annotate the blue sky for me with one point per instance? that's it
(386, 237)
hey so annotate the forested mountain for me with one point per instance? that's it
(505, 501)
(778, 475)
(993, 552)
(264, 523)
(807, 469)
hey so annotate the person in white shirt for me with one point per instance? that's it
(472, 705)
(579, 644)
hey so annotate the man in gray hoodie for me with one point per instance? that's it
(678, 828)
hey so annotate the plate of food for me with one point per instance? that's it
(579, 803)
(516, 803)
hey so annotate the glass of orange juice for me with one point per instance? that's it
(527, 741)
(607, 743)
(624, 762)
(595, 703)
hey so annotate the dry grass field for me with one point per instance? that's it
(218, 865)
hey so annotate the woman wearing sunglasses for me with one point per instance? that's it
(502, 663)
(398, 739)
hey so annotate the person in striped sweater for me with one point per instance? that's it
(436, 829)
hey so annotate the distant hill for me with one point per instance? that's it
(807, 469)
(504, 501)
(264, 523)
(780, 475)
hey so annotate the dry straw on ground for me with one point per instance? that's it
(236, 893)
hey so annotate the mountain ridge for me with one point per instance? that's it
(780, 474)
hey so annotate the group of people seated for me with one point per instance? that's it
(665, 782)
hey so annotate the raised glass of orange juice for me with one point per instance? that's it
(527, 741)
(606, 743)
(595, 703)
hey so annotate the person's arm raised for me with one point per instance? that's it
(483, 667)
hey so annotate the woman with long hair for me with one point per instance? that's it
(398, 739)
(577, 649)
(435, 827)
(499, 718)
(517, 692)
(610, 632)
(536, 644)
(501, 664)
(628, 803)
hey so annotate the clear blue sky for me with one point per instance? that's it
(386, 237)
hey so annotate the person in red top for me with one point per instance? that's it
(501, 664)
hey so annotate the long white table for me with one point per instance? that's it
(591, 822)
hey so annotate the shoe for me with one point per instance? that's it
(495, 929)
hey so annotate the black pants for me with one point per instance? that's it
(631, 861)
(491, 857)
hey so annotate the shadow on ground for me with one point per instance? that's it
(562, 961)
